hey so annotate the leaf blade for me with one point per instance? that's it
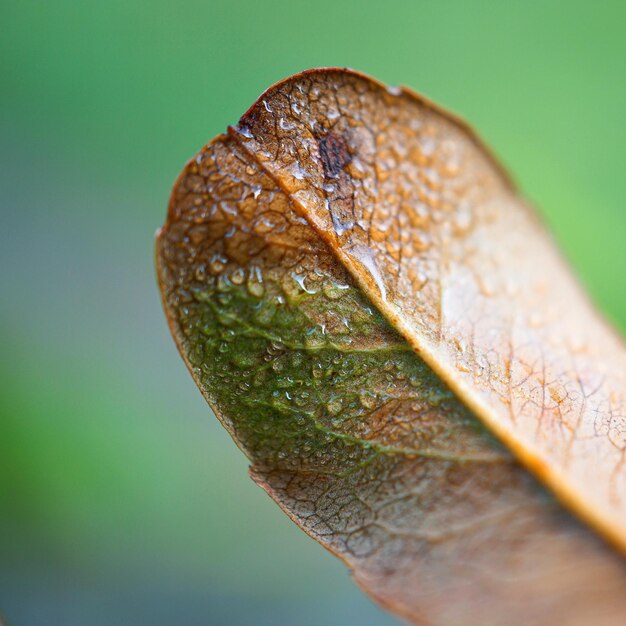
(234, 245)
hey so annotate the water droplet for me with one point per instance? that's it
(245, 131)
(365, 256)
(334, 406)
(368, 400)
(223, 283)
(217, 263)
(278, 366)
(298, 172)
(255, 283)
(227, 208)
(299, 278)
(237, 277)
(333, 290)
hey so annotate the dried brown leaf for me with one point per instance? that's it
(363, 298)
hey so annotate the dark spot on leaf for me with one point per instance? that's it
(334, 154)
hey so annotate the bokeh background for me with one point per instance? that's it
(122, 501)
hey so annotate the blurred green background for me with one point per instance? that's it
(122, 501)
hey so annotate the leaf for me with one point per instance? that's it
(363, 299)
